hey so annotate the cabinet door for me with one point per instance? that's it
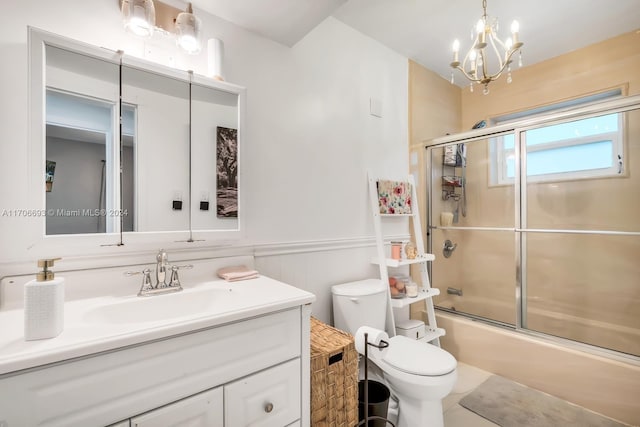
(270, 398)
(201, 410)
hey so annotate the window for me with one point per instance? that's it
(579, 149)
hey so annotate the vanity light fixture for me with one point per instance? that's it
(188, 31)
(139, 17)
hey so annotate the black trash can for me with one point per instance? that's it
(378, 403)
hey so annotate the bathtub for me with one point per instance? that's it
(598, 382)
(591, 331)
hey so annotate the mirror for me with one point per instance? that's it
(81, 151)
(214, 167)
(161, 142)
(172, 166)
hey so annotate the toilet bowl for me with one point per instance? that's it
(418, 374)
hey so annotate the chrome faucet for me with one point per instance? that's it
(162, 260)
(454, 291)
(161, 286)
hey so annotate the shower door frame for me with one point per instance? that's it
(519, 129)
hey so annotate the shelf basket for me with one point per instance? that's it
(334, 377)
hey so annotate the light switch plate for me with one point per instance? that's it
(375, 107)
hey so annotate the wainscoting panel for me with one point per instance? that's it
(316, 266)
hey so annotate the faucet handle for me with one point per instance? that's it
(182, 267)
(146, 279)
(175, 280)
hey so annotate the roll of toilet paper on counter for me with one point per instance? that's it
(375, 337)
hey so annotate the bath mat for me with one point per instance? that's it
(510, 404)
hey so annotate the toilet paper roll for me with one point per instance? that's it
(375, 337)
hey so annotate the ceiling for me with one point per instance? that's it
(424, 30)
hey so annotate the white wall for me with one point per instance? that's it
(309, 138)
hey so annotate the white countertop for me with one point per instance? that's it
(85, 333)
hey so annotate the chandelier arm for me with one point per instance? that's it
(464, 63)
(504, 66)
(488, 77)
(485, 68)
(495, 40)
(467, 75)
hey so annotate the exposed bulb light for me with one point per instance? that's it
(488, 56)
(188, 31)
(139, 17)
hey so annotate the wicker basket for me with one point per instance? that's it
(334, 377)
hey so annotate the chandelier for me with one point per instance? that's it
(488, 57)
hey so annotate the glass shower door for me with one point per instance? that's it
(471, 223)
(581, 231)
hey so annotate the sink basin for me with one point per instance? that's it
(188, 303)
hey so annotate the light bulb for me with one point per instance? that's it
(139, 27)
(456, 45)
(189, 43)
(508, 44)
(139, 17)
(515, 26)
(480, 26)
(456, 48)
(472, 55)
(187, 29)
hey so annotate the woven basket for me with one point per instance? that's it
(334, 377)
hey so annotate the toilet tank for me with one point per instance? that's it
(361, 303)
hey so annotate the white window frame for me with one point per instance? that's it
(499, 157)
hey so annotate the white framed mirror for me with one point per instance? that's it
(156, 178)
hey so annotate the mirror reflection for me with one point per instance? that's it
(161, 142)
(82, 149)
(173, 165)
(214, 168)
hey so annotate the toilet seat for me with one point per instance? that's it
(418, 358)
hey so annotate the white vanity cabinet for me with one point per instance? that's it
(246, 371)
(267, 399)
(202, 410)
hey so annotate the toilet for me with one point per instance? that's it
(418, 374)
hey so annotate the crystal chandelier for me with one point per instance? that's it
(488, 52)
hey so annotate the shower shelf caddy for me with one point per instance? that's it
(451, 181)
(426, 292)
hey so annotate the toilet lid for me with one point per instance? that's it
(359, 289)
(418, 358)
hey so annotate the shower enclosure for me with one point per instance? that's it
(541, 222)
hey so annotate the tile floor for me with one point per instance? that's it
(469, 378)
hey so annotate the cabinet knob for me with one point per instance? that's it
(268, 407)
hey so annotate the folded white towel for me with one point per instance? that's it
(236, 272)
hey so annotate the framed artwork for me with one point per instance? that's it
(50, 170)
(394, 197)
(227, 172)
